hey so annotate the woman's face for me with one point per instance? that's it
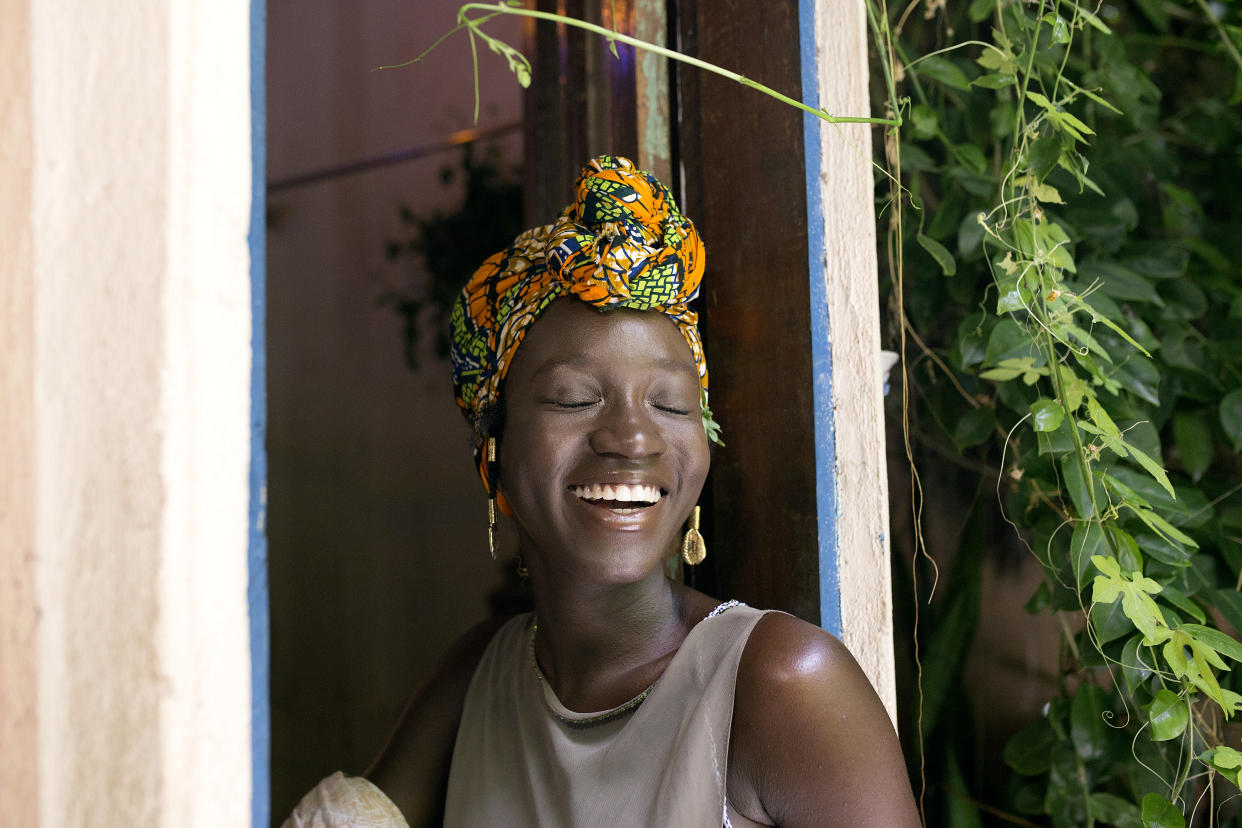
(604, 452)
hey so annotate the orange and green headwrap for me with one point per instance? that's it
(622, 244)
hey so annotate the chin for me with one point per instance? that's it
(621, 564)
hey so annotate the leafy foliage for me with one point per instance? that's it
(445, 248)
(1071, 264)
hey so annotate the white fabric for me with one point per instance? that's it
(342, 801)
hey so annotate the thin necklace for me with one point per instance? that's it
(607, 715)
(587, 721)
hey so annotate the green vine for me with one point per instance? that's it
(520, 66)
(1082, 314)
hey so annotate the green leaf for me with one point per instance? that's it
(1093, 21)
(1229, 603)
(1046, 193)
(1226, 760)
(1179, 599)
(1119, 282)
(1074, 385)
(1068, 782)
(710, 426)
(1009, 340)
(916, 159)
(995, 80)
(1154, 11)
(1150, 466)
(1086, 542)
(980, 10)
(1104, 423)
(1001, 374)
(1192, 659)
(1080, 495)
(1159, 812)
(1110, 623)
(1164, 550)
(1134, 663)
(1215, 639)
(1060, 29)
(1011, 296)
(1043, 154)
(1087, 726)
(943, 70)
(962, 811)
(1128, 555)
(925, 122)
(1052, 241)
(1113, 810)
(940, 253)
(1168, 715)
(1027, 751)
(1162, 527)
(1041, 101)
(1231, 417)
(1158, 260)
(970, 157)
(1135, 592)
(1193, 439)
(974, 427)
(1046, 414)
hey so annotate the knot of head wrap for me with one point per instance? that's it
(622, 243)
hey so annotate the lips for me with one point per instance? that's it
(624, 499)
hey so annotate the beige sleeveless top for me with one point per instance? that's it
(523, 759)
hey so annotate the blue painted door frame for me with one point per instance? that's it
(260, 708)
(821, 350)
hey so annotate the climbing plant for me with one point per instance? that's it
(1067, 270)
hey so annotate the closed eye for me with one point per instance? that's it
(670, 409)
(572, 404)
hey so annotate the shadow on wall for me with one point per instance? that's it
(376, 520)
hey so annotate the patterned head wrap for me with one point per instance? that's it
(622, 244)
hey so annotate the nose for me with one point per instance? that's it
(626, 429)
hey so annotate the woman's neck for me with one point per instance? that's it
(599, 646)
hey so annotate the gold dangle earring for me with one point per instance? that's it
(693, 547)
(491, 495)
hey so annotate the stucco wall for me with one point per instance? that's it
(129, 500)
(854, 329)
(18, 724)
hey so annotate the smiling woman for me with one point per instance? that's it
(626, 698)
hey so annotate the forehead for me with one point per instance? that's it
(570, 331)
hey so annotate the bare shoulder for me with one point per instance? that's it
(412, 769)
(784, 648)
(812, 743)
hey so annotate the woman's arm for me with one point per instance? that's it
(812, 744)
(413, 768)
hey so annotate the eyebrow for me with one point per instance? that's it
(579, 361)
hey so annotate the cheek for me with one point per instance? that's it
(697, 459)
(529, 459)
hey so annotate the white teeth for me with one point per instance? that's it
(623, 493)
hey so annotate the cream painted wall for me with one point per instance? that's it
(125, 515)
(854, 330)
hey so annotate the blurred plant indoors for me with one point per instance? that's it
(1064, 275)
(437, 254)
